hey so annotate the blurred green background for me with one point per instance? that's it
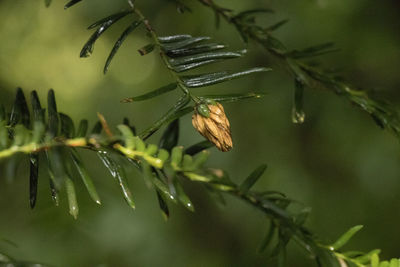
(338, 162)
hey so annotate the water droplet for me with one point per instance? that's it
(298, 116)
(189, 206)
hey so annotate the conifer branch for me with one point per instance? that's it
(182, 53)
(31, 134)
(179, 53)
(305, 75)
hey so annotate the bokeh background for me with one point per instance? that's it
(338, 162)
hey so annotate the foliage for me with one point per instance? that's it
(55, 139)
(305, 74)
(179, 53)
(163, 168)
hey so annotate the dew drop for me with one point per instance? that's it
(298, 116)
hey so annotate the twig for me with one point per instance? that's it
(384, 115)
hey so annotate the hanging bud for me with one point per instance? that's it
(215, 127)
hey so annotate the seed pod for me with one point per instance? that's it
(215, 128)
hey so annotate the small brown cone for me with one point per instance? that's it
(215, 128)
